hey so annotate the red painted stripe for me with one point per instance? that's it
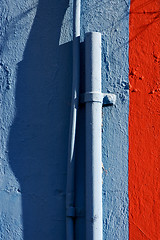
(144, 120)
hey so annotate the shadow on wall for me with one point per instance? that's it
(38, 138)
(142, 14)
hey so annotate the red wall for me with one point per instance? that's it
(144, 120)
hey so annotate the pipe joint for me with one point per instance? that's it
(71, 212)
(105, 98)
(91, 97)
(75, 212)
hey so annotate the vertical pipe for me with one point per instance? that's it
(93, 138)
(70, 191)
(76, 18)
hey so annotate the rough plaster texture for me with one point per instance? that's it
(144, 120)
(111, 18)
(35, 91)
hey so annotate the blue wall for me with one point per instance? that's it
(35, 93)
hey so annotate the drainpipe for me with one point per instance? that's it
(93, 99)
(70, 190)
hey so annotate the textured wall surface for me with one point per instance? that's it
(144, 120)
(111, 18)
(35, 84)
(35, 90)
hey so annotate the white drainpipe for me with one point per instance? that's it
(93, 98)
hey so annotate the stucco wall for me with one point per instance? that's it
(35, 91)
(35, 94)
(144, 120)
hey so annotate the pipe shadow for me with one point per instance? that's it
(150, 17)
(38, 139)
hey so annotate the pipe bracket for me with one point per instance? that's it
(109, 99)
(106, 99)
